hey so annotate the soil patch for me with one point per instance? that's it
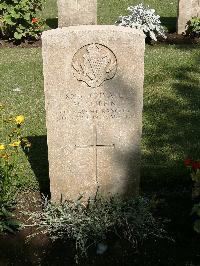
(172, 38)
(26, 44)
(17, 250)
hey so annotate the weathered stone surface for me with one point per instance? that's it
(187, 10)
(93, 79)
(77, 12)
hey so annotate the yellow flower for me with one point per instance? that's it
(19, 119)
(15, 143)
(2, 147)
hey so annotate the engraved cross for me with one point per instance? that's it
(95, 146)
(77, 5)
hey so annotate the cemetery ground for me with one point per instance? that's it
(170, 134)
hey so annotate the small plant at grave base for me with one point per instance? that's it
(10, 142)
(194, 167)
(193, 27)
(18, 19)
(145, 19)
(89, 224)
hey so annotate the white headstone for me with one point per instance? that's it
(93, 79)
(77, 12)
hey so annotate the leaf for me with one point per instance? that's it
(5, 227)
(15, 224)
(8, 20)
(14, 14)
(17, 35)
(20, 28)
(197, 226)
(1, 227)
(6, 213)
(3, 6)
(27, 16)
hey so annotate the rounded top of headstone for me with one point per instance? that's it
(88, 28)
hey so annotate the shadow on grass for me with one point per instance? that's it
(170, 134)
(52, 23)
(171, 130)
(169, 23)
(189, 47)
(38, 158)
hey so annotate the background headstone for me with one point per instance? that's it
(187, 9)
(76, 12)
(93, 79)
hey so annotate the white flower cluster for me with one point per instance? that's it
(144, 18)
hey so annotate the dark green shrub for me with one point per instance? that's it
(193, 29)
(18, 19)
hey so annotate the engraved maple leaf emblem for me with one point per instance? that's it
(93, 64)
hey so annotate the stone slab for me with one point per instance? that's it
(77, 12)
(186, 10)
(93, 80)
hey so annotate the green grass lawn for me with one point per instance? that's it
(171, 97)
(109, 11)
(171, 106)
(171, 118)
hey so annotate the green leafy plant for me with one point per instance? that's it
(193, 27)
(89, 224)
(10, 143)
(18, 19)
(194, 167)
